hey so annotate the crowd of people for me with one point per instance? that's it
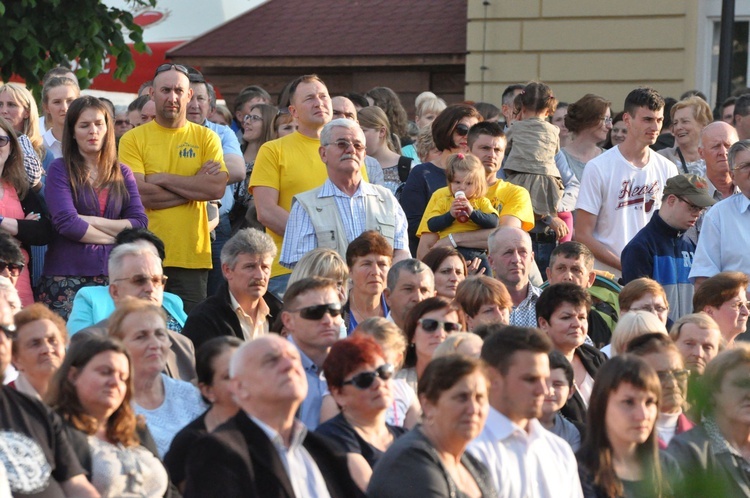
(309, 297)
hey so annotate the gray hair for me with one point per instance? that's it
(137, 248)
(325, 135)
(211, 96)
(742, 145)
(247, 241)
(413, 266)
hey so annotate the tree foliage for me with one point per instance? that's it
(36, 35)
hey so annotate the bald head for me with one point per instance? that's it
(343, 108)
(510, 256)
(267, 375)
(716, 140)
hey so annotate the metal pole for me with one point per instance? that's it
(724, 78)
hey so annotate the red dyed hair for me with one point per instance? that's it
(347, 355)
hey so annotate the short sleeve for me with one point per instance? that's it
(435, 207)
(266, 169)
(590, 193)
(130, 153)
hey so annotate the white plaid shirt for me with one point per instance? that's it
(524, 315)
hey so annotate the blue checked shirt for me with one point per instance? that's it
(300, 238)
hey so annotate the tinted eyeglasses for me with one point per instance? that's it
(120, 122)
(345, 144)
(14, 269)
(9, 331)
(168, 67)
(461, 130)
(318, 311)
(4, 141)
(141, 280)
(678, 375)
(364, 380)
(430, 325)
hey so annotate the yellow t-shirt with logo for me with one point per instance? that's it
(291, 165)
(149, 149)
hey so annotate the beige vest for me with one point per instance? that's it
(380, 214)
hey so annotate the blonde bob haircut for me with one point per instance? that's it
(701, 110)
(386, 334)
(634, 324)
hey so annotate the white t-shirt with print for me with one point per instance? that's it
(623, 196)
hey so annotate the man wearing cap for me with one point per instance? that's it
(725, 238)
(660, 251)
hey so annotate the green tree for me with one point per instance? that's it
(36, 35)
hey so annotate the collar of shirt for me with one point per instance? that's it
(331, 190)
(742, 202)
(532, 294)
(714, 192)
(299, 431)
(719, 444)
(502, 428)
(262, 311)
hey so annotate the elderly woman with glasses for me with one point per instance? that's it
(92, 197)
(427, 325)
(360, 382)
(723, 297)
(450, 131)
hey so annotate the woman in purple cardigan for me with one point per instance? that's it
(91, 198)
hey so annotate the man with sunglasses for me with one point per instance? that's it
(135, 271)
(178, 167)
(312, 319)
(661, 251)
(345, 206)
(725, 237)
(264, 450)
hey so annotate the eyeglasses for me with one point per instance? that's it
(651, 309)
(364, 380)
(342, 114)
(693, 207)
(168, 67)
(9, 331)
(120, 122)
(430, 325)
(4, 141)
(736, 306)
(678, 375)
(252, 117)
(744, 167)
(607, 120)
(461, 130)
(345, 144)
(318, 311)
(141, 280)
(14, 269)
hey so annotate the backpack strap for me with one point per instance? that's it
(404, 167)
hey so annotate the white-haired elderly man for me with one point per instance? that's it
(344, 206)
(242, 307)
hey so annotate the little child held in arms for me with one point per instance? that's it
(447, 213)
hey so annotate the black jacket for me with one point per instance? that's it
(214, 317)
(592, 359)
(238, 460)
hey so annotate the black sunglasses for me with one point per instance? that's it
(364, 380)
(318, 311)
(461, 130)
(4, 141)
(430, 325)
(169, 67)
(14, 269)
(9, 331)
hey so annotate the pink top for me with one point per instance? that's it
(10, 207)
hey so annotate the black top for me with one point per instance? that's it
(36, 451)
(671, 477)
(343, 434)
(575, 409)
(175, 458)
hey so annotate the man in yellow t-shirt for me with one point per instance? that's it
(178, 166)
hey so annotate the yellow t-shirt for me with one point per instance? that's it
(440, 203)
(150, 149)
(291, 165)
(512, 200)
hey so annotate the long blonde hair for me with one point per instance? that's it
(31, 124)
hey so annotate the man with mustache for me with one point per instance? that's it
(345, 206)
(242, 307)
(660, 251)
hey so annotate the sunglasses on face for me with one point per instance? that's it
(141, 280)
(4, 141)
(120, 122)
(9, 331)
(345, 144)
(461, 130)
(14, 269)
(318, 311)
(430, 325)
(168, 67)
(364, 380)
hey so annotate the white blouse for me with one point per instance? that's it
(119, 471)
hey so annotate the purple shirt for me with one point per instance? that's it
(66, 254)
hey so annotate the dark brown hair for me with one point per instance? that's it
(586, 112)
